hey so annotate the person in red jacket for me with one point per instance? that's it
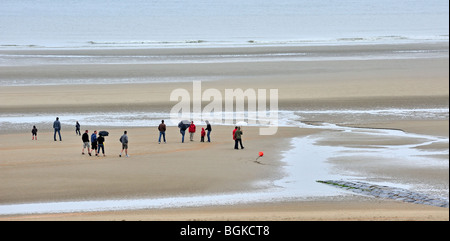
(202, 139)
(234, 132)
(192, 131)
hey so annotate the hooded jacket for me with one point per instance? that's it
(192, 128)
(203, 132)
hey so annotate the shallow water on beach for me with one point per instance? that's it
(17, 121)
(368, 145)
(436, 49)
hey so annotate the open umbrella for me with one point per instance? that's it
(241, 123)
(184, 124)
(103, 133)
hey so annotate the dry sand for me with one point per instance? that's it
(45, 170)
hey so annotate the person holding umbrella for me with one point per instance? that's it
(101, 145)
(183, 125)
(238, 138)
(101, 141)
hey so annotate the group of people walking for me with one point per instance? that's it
(96, 143)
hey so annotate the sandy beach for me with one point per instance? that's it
(54, 171)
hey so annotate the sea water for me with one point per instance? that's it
(142, 24)
(116, 23)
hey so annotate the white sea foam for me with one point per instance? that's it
(285, 117)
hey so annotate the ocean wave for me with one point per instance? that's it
(286, 42)
(236, 42)
(102, 81)
(145, 42)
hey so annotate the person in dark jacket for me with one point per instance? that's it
(34, 133)
(183, 128)
(162, 131)
(238, 138)
(100, 142)
(85, 139)
(57, 127)
(209, 129)
(94, 142)
(77, 129)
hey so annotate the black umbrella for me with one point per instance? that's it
(184, 124)
(103, 133)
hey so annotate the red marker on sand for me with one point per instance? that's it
(260, 155)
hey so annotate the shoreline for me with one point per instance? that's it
(233, 49)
